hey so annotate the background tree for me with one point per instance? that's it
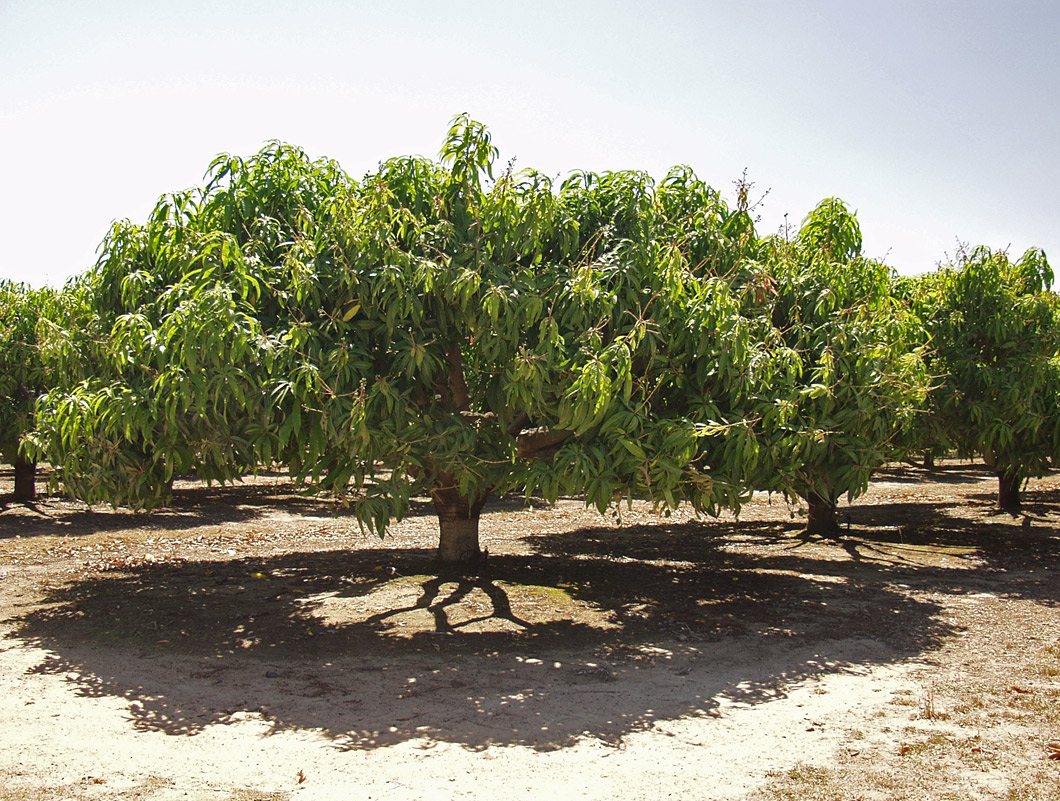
(434, 328)
(858, 380)
(931, 435)
(26, 373)
(995, 328)
(172, 372)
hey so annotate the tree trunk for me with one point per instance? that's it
(1008, 492)
(822, 520)
(25, 480)
(458, 521)
(929, 461)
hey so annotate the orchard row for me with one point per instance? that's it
(448, 329)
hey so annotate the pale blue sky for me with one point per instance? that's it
(937, 121)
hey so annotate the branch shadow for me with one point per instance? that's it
(959, 549)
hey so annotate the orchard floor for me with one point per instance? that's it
(246, 643)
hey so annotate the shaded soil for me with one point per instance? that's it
(248, 642)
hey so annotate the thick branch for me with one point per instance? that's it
(457, 382)
(540, 443)
(518, 424)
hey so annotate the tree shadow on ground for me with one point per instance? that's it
(908, 545)
(959, 549)
(944, 472)
(192, 505)
(596, 633)
(541, 650)
(1035, 506)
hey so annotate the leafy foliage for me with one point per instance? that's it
(449, 328)
(995, 329)
(25, 373)
(430, 328)
(857, 379)
(174, 370)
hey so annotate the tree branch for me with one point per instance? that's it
(518, 424)
(457, 382)
(540, 443)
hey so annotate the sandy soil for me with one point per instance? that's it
(247, 643)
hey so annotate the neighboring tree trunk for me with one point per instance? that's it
(458, 519)
(822, 520)
(1008, 492)
(929, 461)
(25, 480)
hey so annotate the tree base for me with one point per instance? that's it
(1008, 493)
(25, 480)
(822, 520)
(458, 523)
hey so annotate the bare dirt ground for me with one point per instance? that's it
(246, 643)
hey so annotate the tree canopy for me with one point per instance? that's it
(436, 327)
(456, 329)
(995, 333)
(859, 379)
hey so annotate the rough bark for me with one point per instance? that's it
(25, 480)
(822, 520)
(458, 519)
(1008, 492)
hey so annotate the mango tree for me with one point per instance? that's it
(995, 328)
(858, 381)
(931, 435)
(435, 328)
(171, 374)
(26, 372)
